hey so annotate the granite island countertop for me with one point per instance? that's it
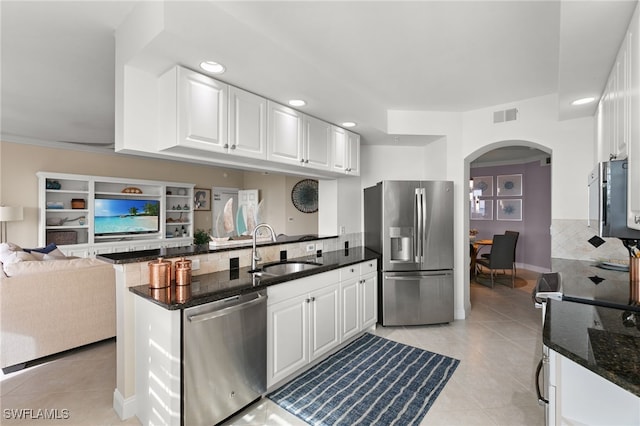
(594, 325)
(192, 250)
(227, 283)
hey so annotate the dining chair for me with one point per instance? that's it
(502, 257)
(514, 233)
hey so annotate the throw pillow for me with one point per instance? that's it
(15, 257)
(53, 255)
(8, 252)
(49, 248)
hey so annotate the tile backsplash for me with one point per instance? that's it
(569, 240)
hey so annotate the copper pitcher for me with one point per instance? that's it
(634, 280)
(159, 273)
(183, 272)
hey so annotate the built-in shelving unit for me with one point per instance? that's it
(70, 206)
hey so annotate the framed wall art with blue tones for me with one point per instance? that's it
(484, 184)
(509, 186)
(509, 209)
(481, 209)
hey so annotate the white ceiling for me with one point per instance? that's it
(350, 60)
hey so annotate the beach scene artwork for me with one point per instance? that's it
(126, 216)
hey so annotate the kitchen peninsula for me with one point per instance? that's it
(222, 274)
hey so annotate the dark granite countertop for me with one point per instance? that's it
(219, 285)
(584, 281)
(153, 254)
(603, 340)
(594, 325)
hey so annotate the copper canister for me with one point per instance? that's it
(161, 294)
(183, 272)
(159, 273)
(183, 293)
(634, 280)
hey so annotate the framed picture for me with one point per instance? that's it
(201, 199)
(509, 209)
(484, 184)
(509, 186)
(481, 209)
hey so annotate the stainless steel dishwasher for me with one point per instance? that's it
(225, 357)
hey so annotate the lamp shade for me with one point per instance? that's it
(8, 214)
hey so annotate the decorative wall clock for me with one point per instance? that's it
(304, 196)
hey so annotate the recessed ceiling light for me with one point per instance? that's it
(348, 124)
(583, 101)
(212, 67)
(297, 102)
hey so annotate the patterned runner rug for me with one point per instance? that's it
(372, 381)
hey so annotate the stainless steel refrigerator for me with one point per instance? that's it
(410, 224)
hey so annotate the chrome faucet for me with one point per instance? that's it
(254, 252)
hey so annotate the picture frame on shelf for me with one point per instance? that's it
(484, 184)
(481, 209)
(509, 185)
(509, 209)
(201, 199)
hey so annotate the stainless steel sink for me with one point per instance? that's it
(284, 268)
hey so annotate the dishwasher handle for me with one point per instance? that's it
(224, 311)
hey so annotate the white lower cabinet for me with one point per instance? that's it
(359, 291)
(324, 324)
(302, 323)
(581, 397)
(309, 317)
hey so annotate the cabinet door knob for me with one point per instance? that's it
(302, 160)
(307, 300)
(226, 145)
(233, 146)
(306, 161)
(313, 299)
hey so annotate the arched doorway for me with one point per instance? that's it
(516, 176)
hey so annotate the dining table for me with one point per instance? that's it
(476, 246)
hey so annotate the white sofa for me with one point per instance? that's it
(50, 306)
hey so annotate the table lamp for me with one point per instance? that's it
(8, 214)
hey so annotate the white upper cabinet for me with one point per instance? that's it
(200, 117)
(193, 111)
(633, 98)
(345, 151)
(247, 124)
(353, 150)
(339, 149)
(316, 143)
(615, 119)
(285, 134)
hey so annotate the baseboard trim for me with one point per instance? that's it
(125, 408)
(531, 268)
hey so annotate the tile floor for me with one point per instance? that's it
(498, 346)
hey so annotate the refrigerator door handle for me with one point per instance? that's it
(419, 234)
(416, 225)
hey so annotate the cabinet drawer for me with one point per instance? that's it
(368, 267)
(349, 272)
(279, 292)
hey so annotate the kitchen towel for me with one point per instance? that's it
(371, 381)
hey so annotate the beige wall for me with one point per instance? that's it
(19, 184)
(280, 212)
(19, 164)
